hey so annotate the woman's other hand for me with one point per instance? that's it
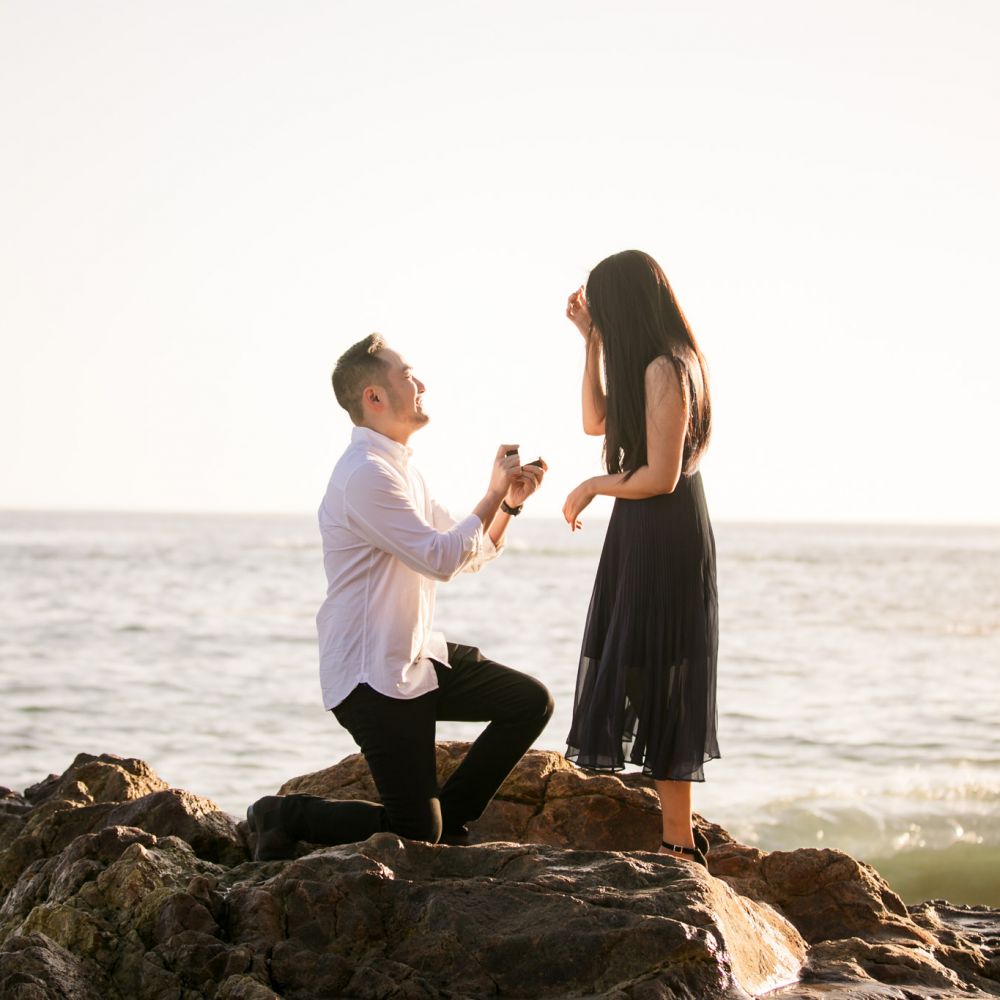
(576, 502)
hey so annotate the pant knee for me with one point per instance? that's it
(550, 705)
(534, 704)
(543, 704)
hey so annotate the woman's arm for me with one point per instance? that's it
(666, 426)
(594, 398)
(595, 401)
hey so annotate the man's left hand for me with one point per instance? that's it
(525, 482)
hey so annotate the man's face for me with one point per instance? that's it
(405, 390)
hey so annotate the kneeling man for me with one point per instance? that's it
(386, 674)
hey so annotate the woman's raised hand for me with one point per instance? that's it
(578, 313)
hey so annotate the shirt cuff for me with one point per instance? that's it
(486, 550)
(471, 530)
(491, 551)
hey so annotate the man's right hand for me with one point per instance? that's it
(505, 467)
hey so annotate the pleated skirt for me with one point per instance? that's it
(646, 686)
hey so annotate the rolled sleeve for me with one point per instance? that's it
(487, 552)
(380, 510)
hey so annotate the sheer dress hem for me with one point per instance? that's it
(697, 775)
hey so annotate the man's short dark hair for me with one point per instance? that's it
(359, 366)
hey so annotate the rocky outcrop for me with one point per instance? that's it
(860, 931)
(119, 888)
(546, 800)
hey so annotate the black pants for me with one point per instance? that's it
(396, 736)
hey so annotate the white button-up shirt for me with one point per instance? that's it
(385, 542)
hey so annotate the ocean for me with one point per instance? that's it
(859, 669)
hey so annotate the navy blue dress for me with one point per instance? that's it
(645, 691)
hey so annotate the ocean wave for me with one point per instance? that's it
(884, 827)
(962, 873)
(521, 550)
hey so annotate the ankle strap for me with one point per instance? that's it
(679, 849)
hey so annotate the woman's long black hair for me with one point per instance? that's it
(638, 319)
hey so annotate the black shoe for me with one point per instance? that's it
(264, 820)
(458, 837)
(687, 853)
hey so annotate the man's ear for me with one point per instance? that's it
(372, 395)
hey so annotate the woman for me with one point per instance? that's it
(646, 685)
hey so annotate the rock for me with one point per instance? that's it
(33, 967)
(212, 834)
(966, 938)
(825, 893)
(12, 804)
(858, 927)
(244, 988)
(521, 920)
(545, 800)
(151, 895)
(106, 778)
(388, 917)
(98, 792)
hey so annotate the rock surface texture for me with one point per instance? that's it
(115, 887)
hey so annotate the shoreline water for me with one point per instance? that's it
(857, 669)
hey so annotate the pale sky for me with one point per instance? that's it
(203, 204)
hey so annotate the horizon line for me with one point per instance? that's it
(735, 521)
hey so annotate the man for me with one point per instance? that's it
(386, 675)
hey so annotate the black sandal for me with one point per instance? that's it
(691, 853)
(700, 840)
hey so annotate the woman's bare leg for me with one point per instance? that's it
(675, 804)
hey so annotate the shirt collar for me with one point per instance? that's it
(400, 453)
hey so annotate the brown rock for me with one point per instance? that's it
(212, 834)
(860, 929)
(545, 800)
(150, 896)
(146, 917)
(107, 778)
(244, 987)
(12, 804)
(83, 800)
(519, 921)
(32, 967)
(825, 893)
(967, 938)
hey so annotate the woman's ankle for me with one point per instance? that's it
(680, 836)
(667, 848)
(685, 853)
